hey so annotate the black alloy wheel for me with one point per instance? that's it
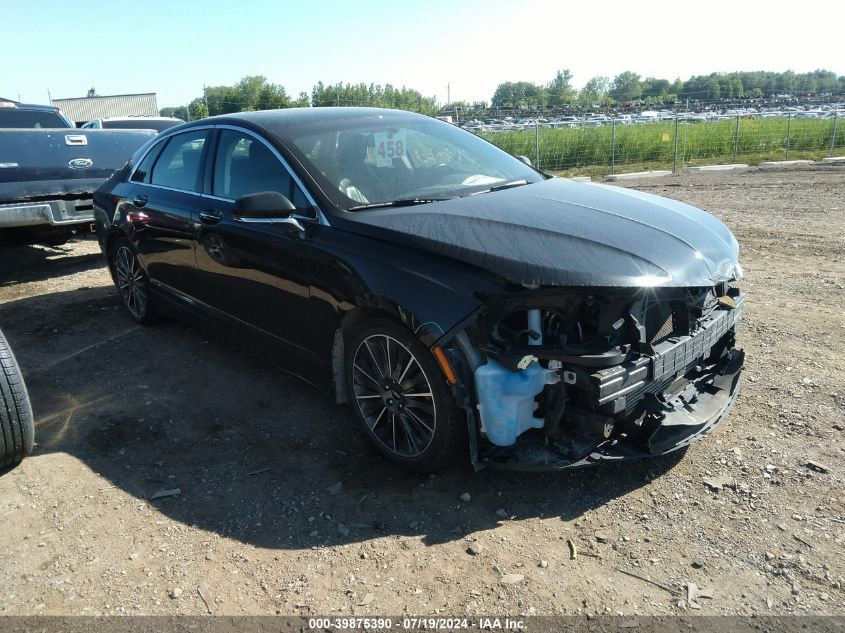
(132, 283)
(400, 395)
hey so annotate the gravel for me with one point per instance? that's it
(123, 412)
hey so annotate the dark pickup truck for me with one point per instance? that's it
(49, 171)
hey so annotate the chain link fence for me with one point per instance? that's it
(619, 145)
(601, 144)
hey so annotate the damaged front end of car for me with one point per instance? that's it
(555, 377)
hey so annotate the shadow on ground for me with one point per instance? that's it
(253, 451)
(37, 263)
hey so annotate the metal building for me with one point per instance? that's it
(82, 109)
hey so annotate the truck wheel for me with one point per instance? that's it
(16, 425)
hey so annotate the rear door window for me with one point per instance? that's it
(178, 165)
(142, 174)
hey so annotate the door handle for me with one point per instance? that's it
(140, 201)
(210, 216)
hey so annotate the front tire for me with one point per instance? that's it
(132, 282)
(17, 429)
(400, 396)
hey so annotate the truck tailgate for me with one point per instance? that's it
(39, 164)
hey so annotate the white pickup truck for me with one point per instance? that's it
(49, 171)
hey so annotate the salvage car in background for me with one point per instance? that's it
(17, 430)
(442, 287)
(49, 171)
(157, 123)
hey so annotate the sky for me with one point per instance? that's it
(174, 48)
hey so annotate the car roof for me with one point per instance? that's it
(30, 106)
(138, 118)
(278, 121)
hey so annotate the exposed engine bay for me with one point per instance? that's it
(565, 378)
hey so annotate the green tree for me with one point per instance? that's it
(626, 87)
(465, 108)
(91, 93)
(658, 88)
(714, 88)
(826, 80)
(373, 95)
(253, 92)
(735, 88)
(595, 91)
(180, 112)
(197, 109)
(560, 91)
(787, 82)
(222, 100)
(515, 94)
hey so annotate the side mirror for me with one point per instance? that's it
(525, 160)
(263, 204)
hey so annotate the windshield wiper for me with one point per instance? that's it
(504, 185)
(402, 202)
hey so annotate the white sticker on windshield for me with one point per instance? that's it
(480, 179)
(389, 145)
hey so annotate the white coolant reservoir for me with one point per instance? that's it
(535, 324)
(506, 399)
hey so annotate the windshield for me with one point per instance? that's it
(13, 118)
(366, 162)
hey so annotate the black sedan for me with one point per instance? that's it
(452, 294)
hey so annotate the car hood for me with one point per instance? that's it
(559, 232)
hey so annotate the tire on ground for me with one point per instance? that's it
(149, 314)
(17, 429)
(450, 425)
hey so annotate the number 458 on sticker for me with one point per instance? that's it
(389, 146)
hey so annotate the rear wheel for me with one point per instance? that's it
(400, 396)
(17, 429)
(132, 282)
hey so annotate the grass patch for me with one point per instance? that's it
(600, 171)
(595, 150)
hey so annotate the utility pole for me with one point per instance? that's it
(448, 94)
(788, 125)
(613, 145)
(736, 139)
(675, 159)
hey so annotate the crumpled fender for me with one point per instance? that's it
(430, 296)
(429, 304)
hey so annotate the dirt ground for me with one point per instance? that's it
(283, 509)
